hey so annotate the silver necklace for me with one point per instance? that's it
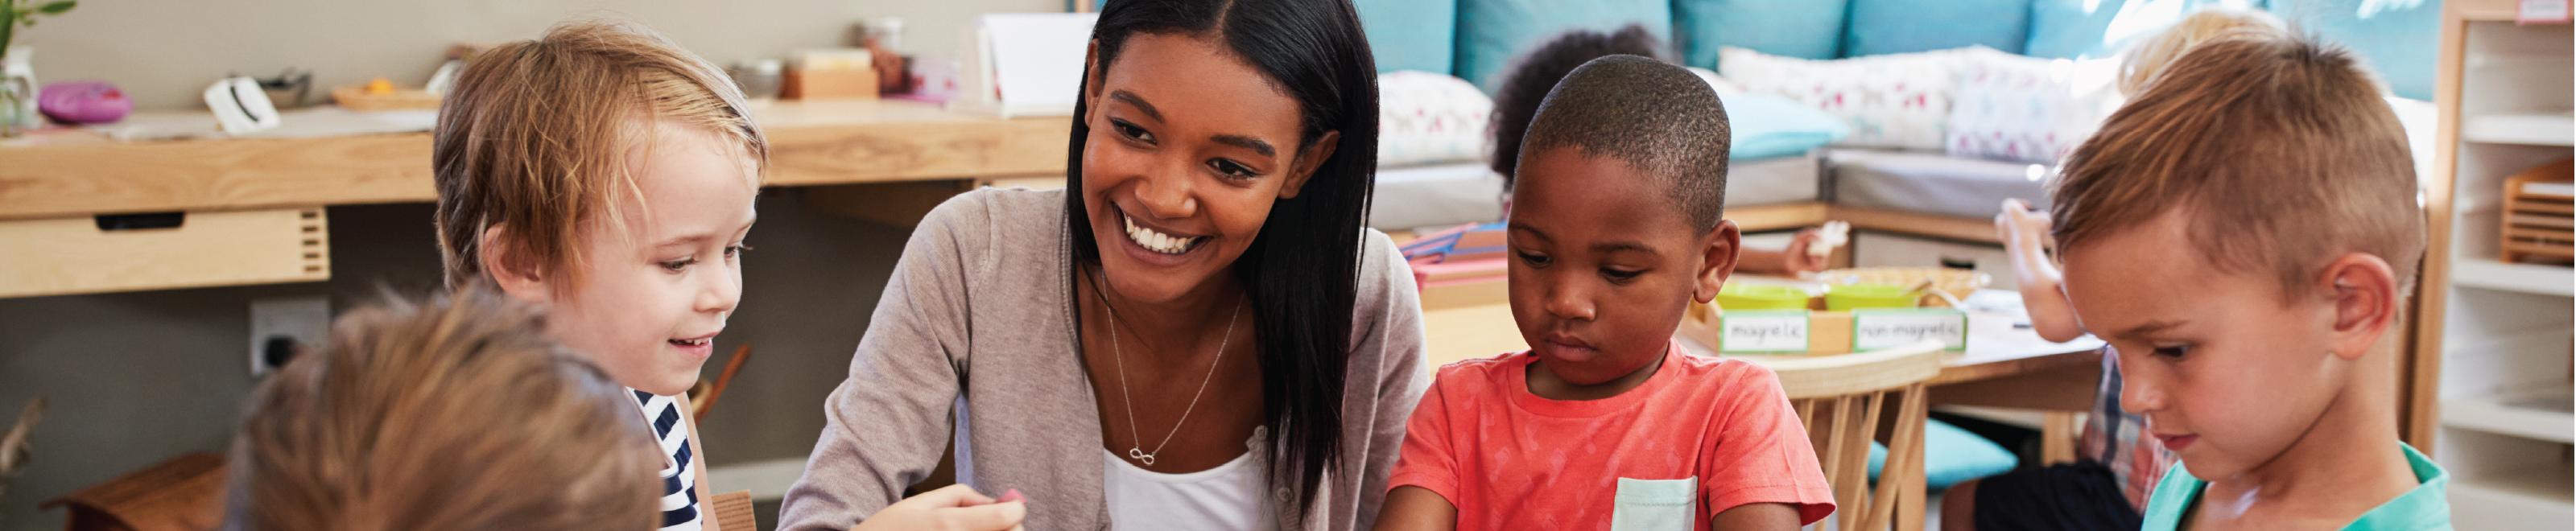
(1137, 451)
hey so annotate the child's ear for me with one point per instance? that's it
(511, 274)
(2363, 290)
(1307, 161)
(1719, 250)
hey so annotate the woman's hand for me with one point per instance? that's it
(951, 508)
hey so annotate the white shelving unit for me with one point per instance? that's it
(2503, 337)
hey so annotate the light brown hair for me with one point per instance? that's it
(2280, 152)
(2149, 56)
(535, 137)
(455, 414)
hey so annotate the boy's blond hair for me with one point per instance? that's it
(2140, 64)
(2280, 152)
(457, 414)
(535, 137)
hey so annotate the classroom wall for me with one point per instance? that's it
(137, 378)
(165, 52)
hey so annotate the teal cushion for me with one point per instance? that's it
(1950, 455)
(2071, 29)
(1901, 26)
(1493, 33)
(1404, 34)
(1411, 34)
(1807, 29)
(2397, 39)
(1769, 125)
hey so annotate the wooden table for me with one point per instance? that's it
(2004, 366)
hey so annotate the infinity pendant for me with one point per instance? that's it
(1140, 455)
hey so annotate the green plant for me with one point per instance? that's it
(15, 13)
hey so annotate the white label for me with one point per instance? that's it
(2541, 12)
(1755, 331)
(1874, 329)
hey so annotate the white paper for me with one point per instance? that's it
(1762, 331)
(1037, 60)
(1878, 329)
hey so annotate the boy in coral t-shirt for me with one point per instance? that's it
(1615, 229)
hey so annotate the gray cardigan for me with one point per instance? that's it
(976, 322)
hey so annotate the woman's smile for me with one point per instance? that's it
(1158, 239)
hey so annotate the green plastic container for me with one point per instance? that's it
(1841, 297)
(1761, 297)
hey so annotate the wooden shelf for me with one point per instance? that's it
(2537, 129)
(2488, 273)
(822, 142)
(2515, 416)
(2535, 498)
(77, 255)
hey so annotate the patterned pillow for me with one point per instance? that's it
(1891, 101)
(1427, 118)
(2027, 109)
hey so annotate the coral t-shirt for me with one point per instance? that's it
(1701, 436)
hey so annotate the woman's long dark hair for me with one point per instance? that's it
(1302, 271)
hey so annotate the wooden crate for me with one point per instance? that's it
(2540, 215)
(60, 256)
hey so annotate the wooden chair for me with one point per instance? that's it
(732, 511)
(1839, 398)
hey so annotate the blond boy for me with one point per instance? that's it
(2244, 233)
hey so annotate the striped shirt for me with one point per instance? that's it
(679, 483)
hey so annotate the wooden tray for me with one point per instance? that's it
(2539, 215)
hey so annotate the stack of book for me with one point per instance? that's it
(1461, 266)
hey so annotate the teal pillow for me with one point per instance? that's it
(2070, 29)
(1493, 33)
(1411, 34)
(1807, 29)
(1901, 26)
(1951, 455)
(2393, 38)
(1769, 125)
(1403, 34)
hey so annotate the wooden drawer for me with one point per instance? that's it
(61, 256)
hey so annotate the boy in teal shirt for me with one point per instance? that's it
(2245, 233)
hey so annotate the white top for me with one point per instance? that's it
(679, 483)
(1230, 497)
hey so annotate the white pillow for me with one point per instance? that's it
(2028, 109)
(1428, 118)
(1892, 101)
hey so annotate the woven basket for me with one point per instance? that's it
(1956, 282)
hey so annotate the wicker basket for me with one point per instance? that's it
(2537, 215)
(1956, 282)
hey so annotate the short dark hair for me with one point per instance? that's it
(1517, 99)
(1661, 119)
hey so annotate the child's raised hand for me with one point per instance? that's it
(2020, 227)
(951, 508)
(1798, 261)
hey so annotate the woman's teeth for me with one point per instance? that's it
(693, 342)
(1156, 241)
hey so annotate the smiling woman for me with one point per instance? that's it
(1198, 333)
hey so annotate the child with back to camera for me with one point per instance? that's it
(456, 414)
